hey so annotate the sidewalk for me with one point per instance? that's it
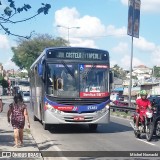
(7, 139)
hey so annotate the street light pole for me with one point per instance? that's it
(68, 28)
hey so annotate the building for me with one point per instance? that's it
(117, 82)
(142, 72)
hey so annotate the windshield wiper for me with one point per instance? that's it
(67, 68)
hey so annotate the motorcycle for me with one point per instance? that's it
(157, 127)
(145, 125)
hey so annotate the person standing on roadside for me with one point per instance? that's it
(18, 114)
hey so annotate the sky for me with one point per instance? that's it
(101, 24)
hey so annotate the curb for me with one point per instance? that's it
(30, 136)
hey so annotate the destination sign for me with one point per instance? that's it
(78, 55)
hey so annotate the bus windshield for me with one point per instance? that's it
(93, 78)
(62, 80)
(24, 83)
(74, 79)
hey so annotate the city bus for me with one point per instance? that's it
(71, 85)
(24, 85)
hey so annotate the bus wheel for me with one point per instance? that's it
(35, 118)
(93, 127)
(46, 126)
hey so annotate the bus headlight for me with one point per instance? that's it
(53, 109)
(58, 111)
(102, 110)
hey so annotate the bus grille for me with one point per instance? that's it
(73, 101)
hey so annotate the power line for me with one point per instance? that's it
(100, 36)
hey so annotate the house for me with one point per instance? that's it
(142, 72)
(134, 93)
(117, 82)
(126, 83)
(149, 86)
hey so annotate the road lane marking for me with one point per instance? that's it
(60, 154)
(137, 139)
(146, 142)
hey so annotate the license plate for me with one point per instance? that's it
(78, 118)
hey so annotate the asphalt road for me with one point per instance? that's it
(115, 136)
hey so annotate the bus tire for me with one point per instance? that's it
(35, 118)
(93, 127)
(46, 126)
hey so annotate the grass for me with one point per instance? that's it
(122, 113)
(27, 131)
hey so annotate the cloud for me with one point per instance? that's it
(9, 65)
(66, 16)
(156, 56)
(125, 2)
(112, 30)
(69, 17)
(144, 45)
(90, 27)
(122, 48)
(125, 61)
(147, 5)
(112, 63)
(76, 42)
(4, 42)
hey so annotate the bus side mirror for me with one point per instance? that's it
(110, 77)
(40, 70)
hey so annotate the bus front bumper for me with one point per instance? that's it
(76, 118)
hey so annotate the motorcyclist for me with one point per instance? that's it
(142, 102)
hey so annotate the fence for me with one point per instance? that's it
(123, 106)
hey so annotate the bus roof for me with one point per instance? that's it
(74, 48)
(55, 48)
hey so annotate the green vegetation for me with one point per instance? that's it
(118, 72)
(156, 71)
(27, 131)
(3, 82)
(122, 114)
(28, 51)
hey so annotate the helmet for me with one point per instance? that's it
(143, 93)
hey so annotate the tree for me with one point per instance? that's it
(118, 72)
(28, 50)
(156, 71)
(3, 82)
(11, 11)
